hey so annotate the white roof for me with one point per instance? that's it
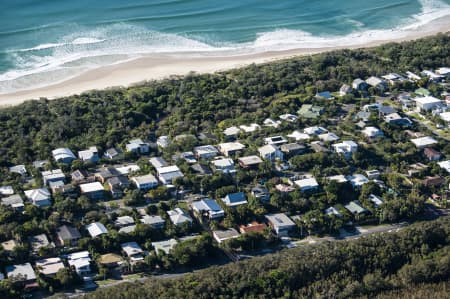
(250, 160)
(145, 179)
(445, 116)
(49, 266)
(231, 146)
(375, 199)
(168, 169)
(338, 178)
(267, 149)
(88, 154)
(63, 153)
(221, 163)
(165, 246)
(271, 123)
(371, 131)
(91, 187)
(205, 149)
(231, 131)
(158, 162)
(357, 179)
(279, 220)
(126, 169)
(37, 194)
(78, 255)
(152, 219)
(299, 136)
(178, 216)
(21, 270)
(6, 190)
(427, 100)
(315, 130)
(328, 137)
(307, 183)
(332, 211)
(96, 229)
(124, 220)
(250, 128)
(131, 248)
(445, 165)
(424, 141)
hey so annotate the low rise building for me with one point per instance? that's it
(280, 223)
(207, 207)
(222, 235)
(96, 229)
(168, 174)
(235, 199)
(230, 148)
(145, 182)
(178, 216)
(89, 155)
(93, 190)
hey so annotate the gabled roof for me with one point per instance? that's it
(178, 216)
(96, 229)
(63, 154)
(66, 232)
(235, 199)
(208, 205)
(23, 270)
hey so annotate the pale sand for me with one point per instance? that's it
(162, 66)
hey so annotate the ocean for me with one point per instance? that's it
(49, 41)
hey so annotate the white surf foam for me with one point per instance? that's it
(84, 50)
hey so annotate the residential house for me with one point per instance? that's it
(24, 273)
(261, 192)
(158, 162)
(117, 185)
(432, 76)
(138, 146)
(359, 84)
(298, 136)
(445, 116)
(307, 184)
(110, 260)
(96, 229)
(427, 103)
(6, 190)
(133, 251)
(13, 201)
(19, 169)
(145, 182)
(346, 148)
(292, 149)
(445, 165)
(113, 154)
(345, 89)
(443, 71)
(201, 169)
(338, 178)
(328, 137)
(81, 177)
(251, 128)
(268, 122)
(377, 83)
(9, 246)
(166, 246)
(105, 173)
(231, 133)
(318, 147)
(384, 110)
(93, 190)
(357, 180)
(250, 161)
(280, 223)
(270, 152)
(207, 207)
(222, 235)
(432, 154)
(396, 119)
(178, 216)
(154, 221)
(433, 181)
(230, 148)
(168, 174)
(80, 261)
(235, 199)
(224, 165)
(124, 221)
(355, 208)
(49, 266)
(163, 141)
(424, 142)
(393, 78)
(127, 169)
(189, 157)
(53, 176)
(372, 132)
(289, 117)
(68, 235)
(39, 241)
(40, 164)
(315, 130)
(333, 211)
(63, 155)
(413, 77)
(39, 197)
(252, 227)
(373, 174)
(205, 152)
(89, 155)
(377, 201)
(310, 111)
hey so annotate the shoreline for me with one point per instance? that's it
(160, 66)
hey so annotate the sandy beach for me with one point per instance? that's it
(159, 66)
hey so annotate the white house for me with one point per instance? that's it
(145, 182)
(208, 206)
(357, 180)
(178, 216)
(81, 261)
(280, 223)
(345, 148)
(427, 103)
(251, 128)
(299, 136)
(270, 152)
(205, 151)
(307, 184)
(224, 165)
(169, 173)
(372, 132)
(138, 146)
(230, 148)
(63, 155)
(133, 251)
(223, 235)
(445, 165)
(90, 154)
(39, 197)
(96, 229)
(158, 162)
(423, 142)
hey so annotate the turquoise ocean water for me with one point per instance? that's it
(47, 41)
